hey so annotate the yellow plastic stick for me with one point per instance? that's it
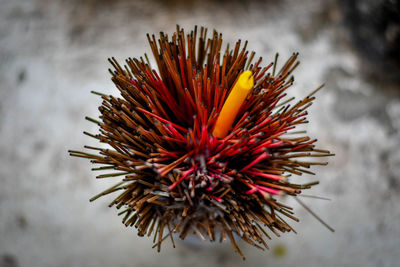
(233, 103)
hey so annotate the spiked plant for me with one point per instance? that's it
(176, 175)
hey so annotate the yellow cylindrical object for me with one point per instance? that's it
(233, 103)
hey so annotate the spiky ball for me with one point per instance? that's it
(177, 176)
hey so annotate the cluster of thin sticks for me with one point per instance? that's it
(177, 176)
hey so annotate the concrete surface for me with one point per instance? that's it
(52, 53)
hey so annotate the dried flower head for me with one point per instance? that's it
(180, 178)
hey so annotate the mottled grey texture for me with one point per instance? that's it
(52, 53)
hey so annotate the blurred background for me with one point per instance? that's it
(53, 53)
